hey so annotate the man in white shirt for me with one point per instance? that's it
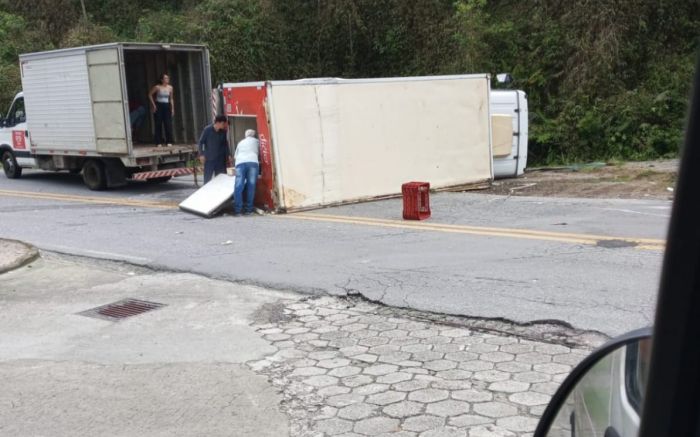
(247, 170)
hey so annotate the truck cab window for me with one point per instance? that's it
(16, 114)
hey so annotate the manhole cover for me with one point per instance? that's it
(616, 244)
(121, 310)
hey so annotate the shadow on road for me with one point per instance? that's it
(58, 180)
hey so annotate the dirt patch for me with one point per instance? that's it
(634, 180)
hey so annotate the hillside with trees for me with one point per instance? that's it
(606, 79)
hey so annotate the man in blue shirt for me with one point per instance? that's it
(213, 148)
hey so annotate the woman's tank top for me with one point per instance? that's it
(163, 95)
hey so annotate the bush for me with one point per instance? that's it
(86, 33)
(605, 80)
(17, 37)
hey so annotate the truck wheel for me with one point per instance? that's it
(94, 175)
(159, 180)
(9, 165)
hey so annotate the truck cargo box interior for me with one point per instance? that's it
(186, 71)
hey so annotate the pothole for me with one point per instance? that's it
(616, 244)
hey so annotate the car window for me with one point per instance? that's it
(17, 114)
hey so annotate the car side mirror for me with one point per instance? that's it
(603, 395)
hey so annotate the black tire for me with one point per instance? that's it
(9, 165)
(94, 175)
(159, 180)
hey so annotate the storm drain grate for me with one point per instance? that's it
(122, 309)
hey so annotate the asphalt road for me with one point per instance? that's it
(593, 264)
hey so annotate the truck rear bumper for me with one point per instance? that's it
(182, 171)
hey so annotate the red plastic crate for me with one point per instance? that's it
(416, 200)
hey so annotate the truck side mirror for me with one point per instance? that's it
(604, 394)
(504, 78)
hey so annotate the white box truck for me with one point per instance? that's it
(74, 112)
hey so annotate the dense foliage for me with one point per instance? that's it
(606, 79)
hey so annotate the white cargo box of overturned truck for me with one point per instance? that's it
(78, 103)
(334, 141)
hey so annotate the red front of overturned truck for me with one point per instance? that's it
(246, 107)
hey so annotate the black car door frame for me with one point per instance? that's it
(672, 401)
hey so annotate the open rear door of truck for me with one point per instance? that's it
(106, 90)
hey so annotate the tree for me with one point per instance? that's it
(17, 37)
(605, 78)
(53, 18)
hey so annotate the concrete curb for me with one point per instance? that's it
(15, 254)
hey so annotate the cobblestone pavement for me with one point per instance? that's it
(353, 368)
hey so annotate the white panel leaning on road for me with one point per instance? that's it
(209, 199)
(345, 140)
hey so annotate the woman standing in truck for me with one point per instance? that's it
(163, 108)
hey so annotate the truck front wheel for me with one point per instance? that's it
(94, 175)
(9, 165)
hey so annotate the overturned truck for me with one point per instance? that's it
(333, 141)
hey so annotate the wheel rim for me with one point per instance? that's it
(93, 176)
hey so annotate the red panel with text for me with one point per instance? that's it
(18, 141)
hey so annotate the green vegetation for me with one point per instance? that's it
(606, 79)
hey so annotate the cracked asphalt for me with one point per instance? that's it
(225, 359)
(517, 273)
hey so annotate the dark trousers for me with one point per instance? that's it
(164, 119)
(213, 168)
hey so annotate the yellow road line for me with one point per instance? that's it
(660, 247)
(401, 225)
(528, 234)
(87, 199)
(593, 237)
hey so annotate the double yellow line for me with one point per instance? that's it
(527, 234)
(88, 199)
